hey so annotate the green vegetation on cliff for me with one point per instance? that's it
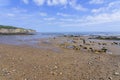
(7, 30)
(8, 27)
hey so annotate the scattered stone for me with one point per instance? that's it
(53, 73)
(76, 48)
(84, 47)
(89, 63)
(104, 44)
(116, 74)
(5, 72)
(55, 67)
(84, 41)
(13, 70)
(110, 78)
(70, 47)
(25, 79)
(104, 49)
(91, 49)
(96, 51)
(61, 73)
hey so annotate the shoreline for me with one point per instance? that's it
(23, 62)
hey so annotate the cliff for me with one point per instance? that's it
(7, 30)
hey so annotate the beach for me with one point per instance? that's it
(59, 39)
(51, 60)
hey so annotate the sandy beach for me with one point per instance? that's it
(59, 39)
(53, 62)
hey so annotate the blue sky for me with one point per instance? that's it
(62, 15)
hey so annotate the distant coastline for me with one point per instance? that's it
(11, 30)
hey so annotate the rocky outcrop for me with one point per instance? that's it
(16, 31)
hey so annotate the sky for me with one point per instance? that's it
(62, 15)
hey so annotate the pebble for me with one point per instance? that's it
(89, 63)
(25, 79)
(53, 73)
(110, 78)
(116, 73)
(55, 67)
(61, 73)
(5, 72)
(13, 70)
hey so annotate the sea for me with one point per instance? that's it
(33, 39)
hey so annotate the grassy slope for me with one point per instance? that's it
(8, 27)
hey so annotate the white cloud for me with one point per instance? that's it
(39, 2)
(63, 14)
(10, 15)
(76, 6)
(26, 1)
(103, 18)
(43, 14)
(105, 15)
(96, 1)
(51, 2)
(67, 20)
(93, 20)
(18, 10)
(56, 2)
(111, 7)
(64, 3)
(49, 19)
(109, 13)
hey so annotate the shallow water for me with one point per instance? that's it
(22, 39)
(33, 39)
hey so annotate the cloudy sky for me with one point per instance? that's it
(62, 15)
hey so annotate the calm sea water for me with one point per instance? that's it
(32, 39)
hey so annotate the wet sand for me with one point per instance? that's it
(53, 62)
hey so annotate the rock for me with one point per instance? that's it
(96, 52)
(13, 70)
(25, 79)
(116, 73)
(85, 48)
(70, 47)
(53, 73)
(76, 47)
(104, 49)
(89, 63)
(55, 67)
(110, 78)
(61, 73)
(5, 72)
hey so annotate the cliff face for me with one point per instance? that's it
(16, 31)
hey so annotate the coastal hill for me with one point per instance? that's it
(11, 30)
